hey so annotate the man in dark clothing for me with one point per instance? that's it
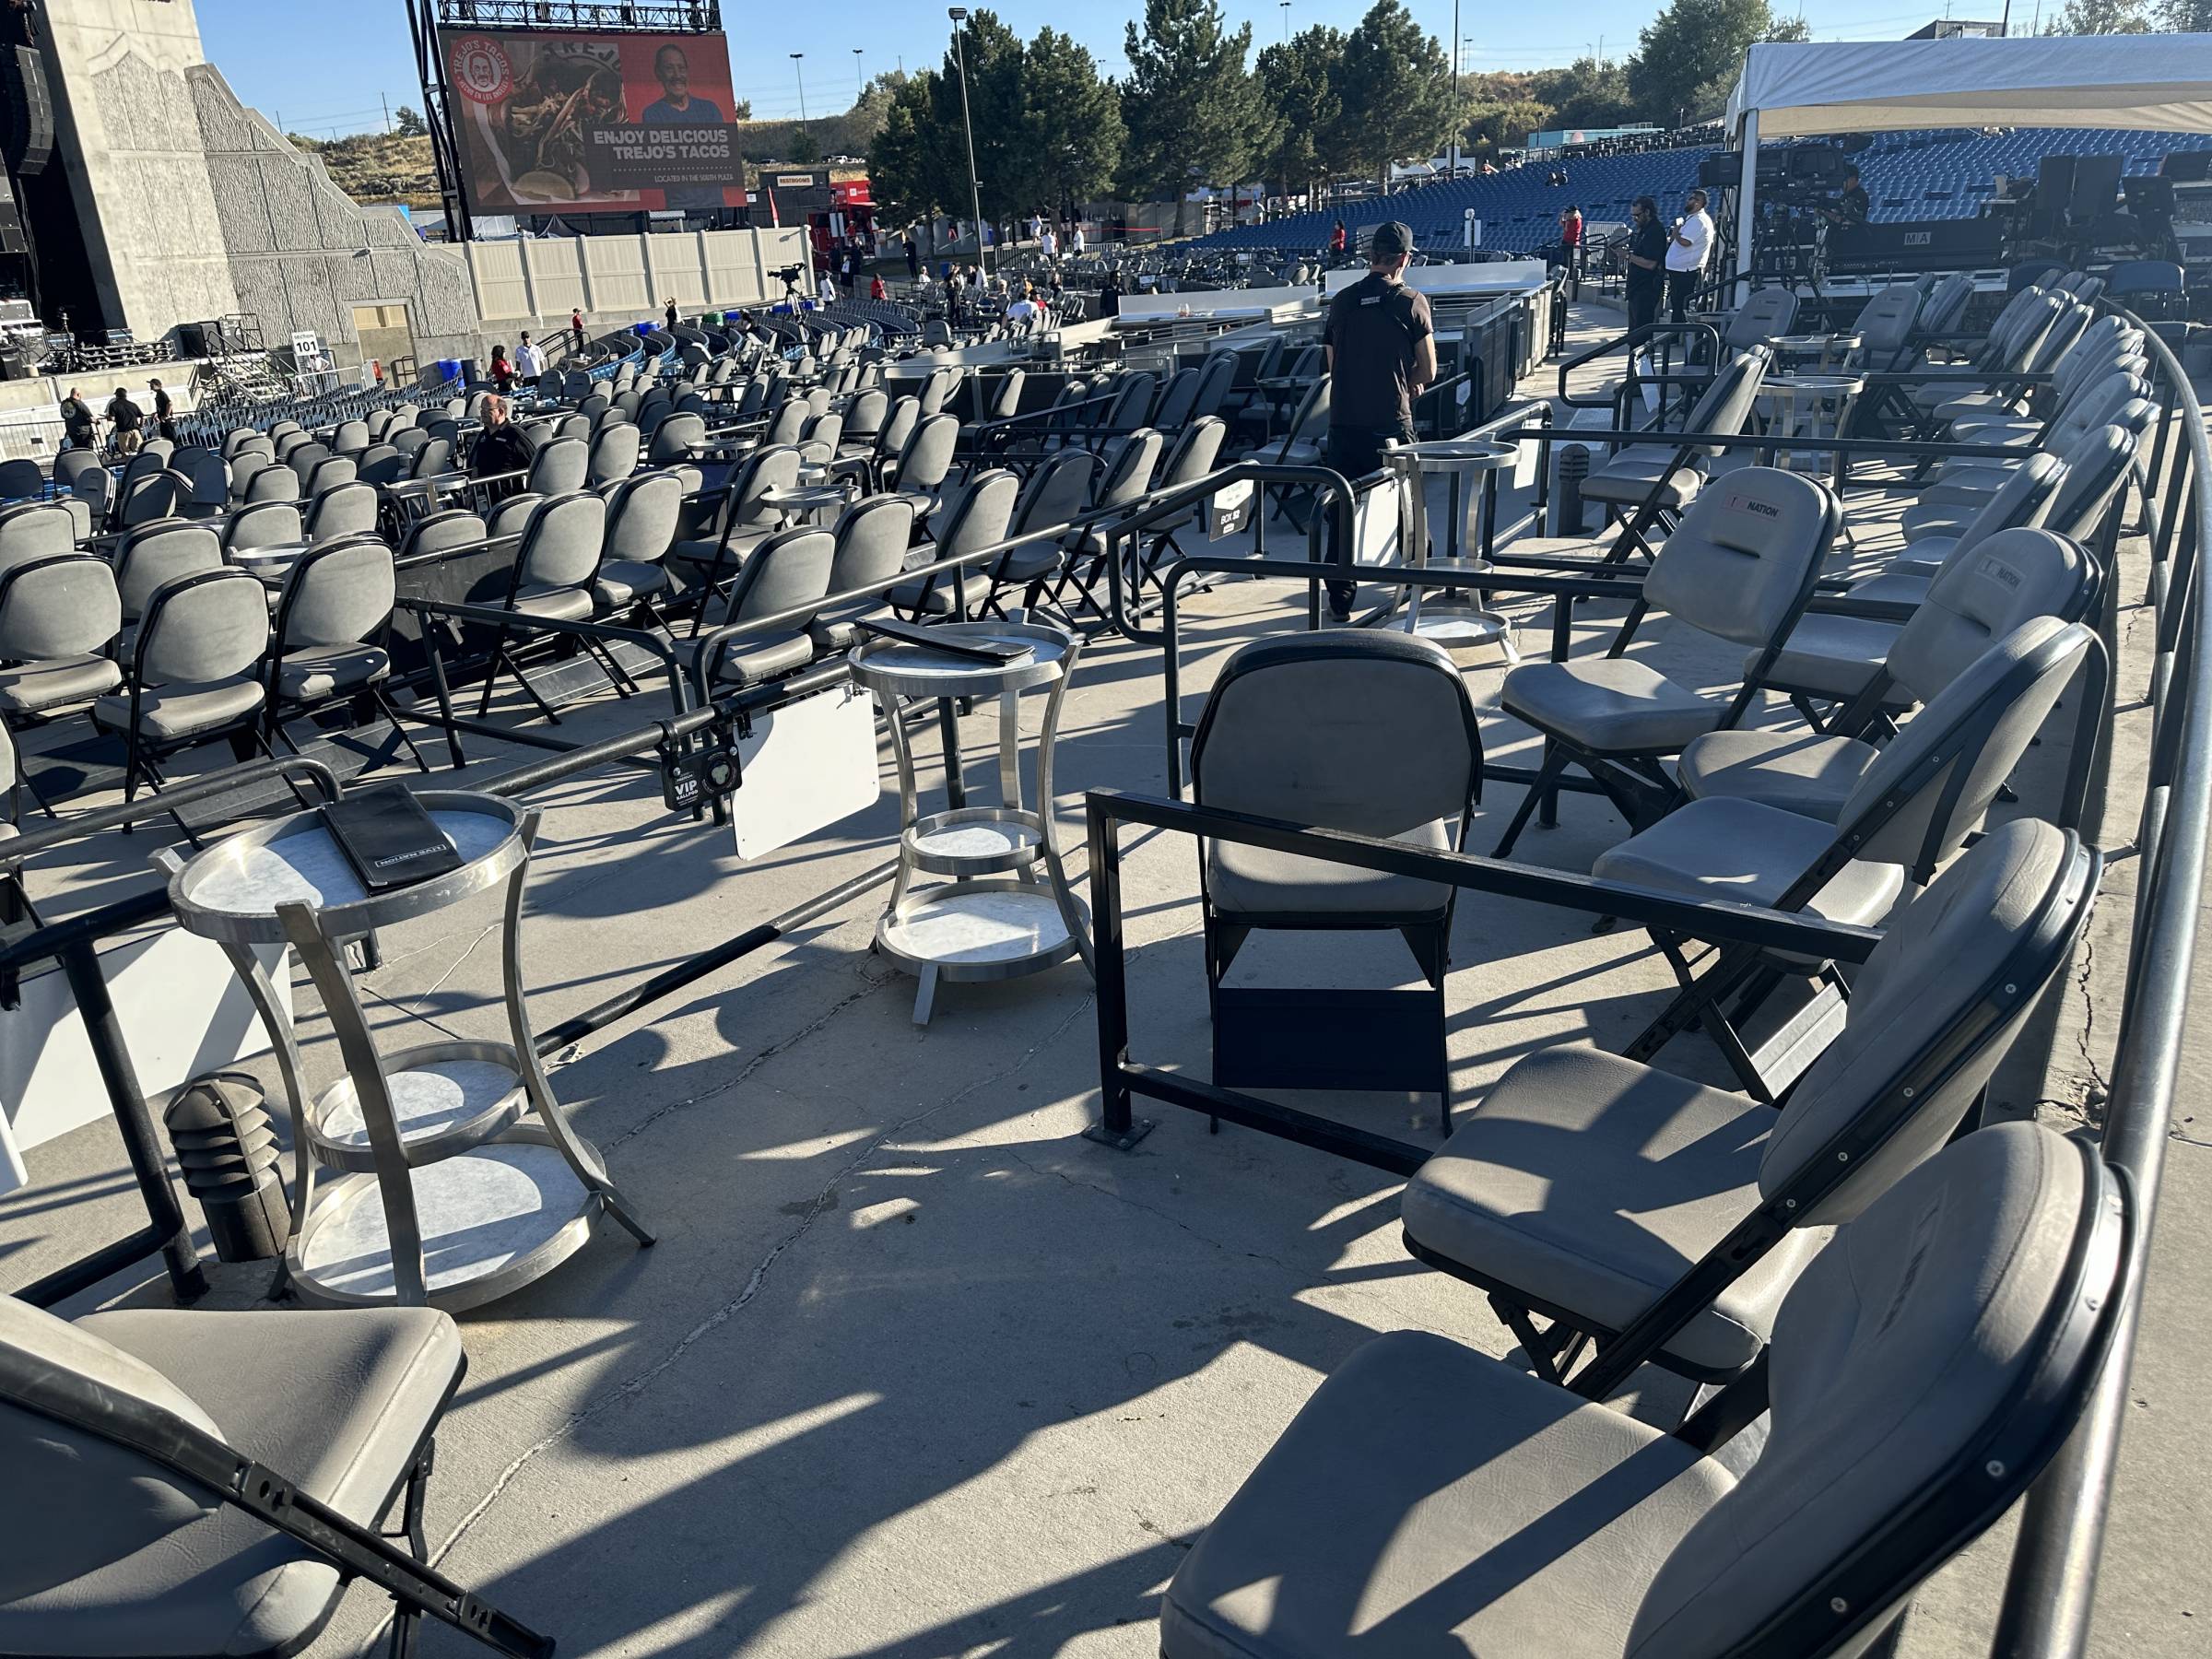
(500, 447)
(1380, 345)
(77, 420)
(1854, 203)
(671, 316)
(165, 412)
(1645, 255)
(913, 259)
(126, 417)
(576, 329)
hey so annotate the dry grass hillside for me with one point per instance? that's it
(379, 167)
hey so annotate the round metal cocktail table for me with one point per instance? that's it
(1005, 908)
(1454, 618)
(443, 1173)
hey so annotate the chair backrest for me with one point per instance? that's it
(305, 455)
(72, 464)
(1005, 397)
(211, 625)
(151, 496)
(642, 516)
(1196, 449)
(676, 439)
(1928, 788)
(433, 458)
(38, 531)
(614, 453)
(1313, 416)
(337, 594)
(2023, 498)
(264, 525)
(559, 467)
(595, 403)
(2097, 467)
(407, 439)
(787, 423)
(2066, 329)
(827, 429)
(66, 605)
(898, 427)
(864, 415)
(561, 542)
(156, 554)
(1177, 399)
(512, 516)
(145, 464)
(1130, 476)
(351, 438)
(1743, 560)
(937, 388)
(273, 484)
(443, 532)
(1946, 303)
(1215, 380)
(872, 539)
(1726, 407)
(1132, 400)
(573, 426)
(1369, 732)
(927, 455)
(979, 516)
(2094, 405)
(2012, 577)
(1885, 327)
(788, 571)
(1924, 1368)
(1056, 492)
(206, 478)
(1767, 314)
(347, 510)
(765, 472)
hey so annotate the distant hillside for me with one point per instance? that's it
(378, 167)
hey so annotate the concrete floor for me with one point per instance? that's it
(914, 1370)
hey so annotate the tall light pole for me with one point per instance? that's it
(958, 14)
(1286, 4)
(798, 64)
(1451, 170)
(860, 82)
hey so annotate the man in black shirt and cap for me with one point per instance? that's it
(1380, 345)
(125, 417)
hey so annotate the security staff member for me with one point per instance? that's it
(1380, 345)
(1854, 203)
(1644, 261)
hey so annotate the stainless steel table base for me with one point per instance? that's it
(445, 1173)
(1005, 909)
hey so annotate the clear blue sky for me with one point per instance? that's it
(323, 64)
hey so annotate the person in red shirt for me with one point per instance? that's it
(1571, 240)
(875, 289)
(1337, 240)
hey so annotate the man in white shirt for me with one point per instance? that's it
(1022, 313)
(826, 291)
(529, 361)
(1686, 252)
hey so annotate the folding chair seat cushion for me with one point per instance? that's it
(1744, 853)
(170, 714)
(1315, 1555)
(315, 672)
(1627, 479)
(1591, 1182)
(935, 599)
(57, 683)
(705, 549)
(1608, 705)
(1248, 882)
(336, 1403)
(760, 660)
(621, 581)
(1809, 773)
(1833, 657)
(1030, 563)
(554, 603)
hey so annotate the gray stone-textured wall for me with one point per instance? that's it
(302, 253)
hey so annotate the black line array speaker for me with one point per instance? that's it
(26, 111)
(2054, 189)
(2096, 186)
(11, 227)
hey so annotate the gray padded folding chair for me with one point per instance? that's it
(264, 525)
(191, 676)
(59, 620)
(1741, 566)
(39, 530)
(158, 553)
(331, 616)
(150, 496)
(348, 509)
(789, 572)
(2017, 576)
(1126, 480)
(641, 513)
(1057, 493)
(742, 521)
(1665, 1219)
(559, 467)
(678, 438)
(1372, 732)
(920, 467)
(1925, 1368)
(1650, 484)
(613, 452)
(1906, 812)
(972, 520)
(196, 1507)
(556, 569)
(275, 483)
(873, 536)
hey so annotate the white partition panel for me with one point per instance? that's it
(673, 270)
(555, 268)
(503, 282)
(615, 269)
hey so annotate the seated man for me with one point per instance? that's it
(500, 447)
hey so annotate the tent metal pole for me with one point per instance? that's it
(1747, 189)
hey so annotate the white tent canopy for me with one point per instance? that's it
(1790, 89)
(2161, 81)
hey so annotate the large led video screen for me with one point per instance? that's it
(561, 123)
